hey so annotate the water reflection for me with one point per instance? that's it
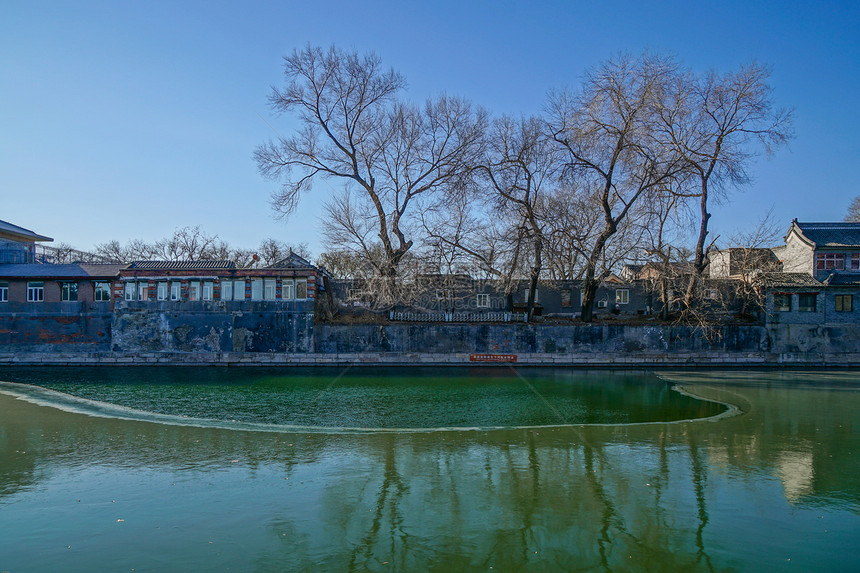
(747, 492)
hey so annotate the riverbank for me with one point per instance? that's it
(676, 359)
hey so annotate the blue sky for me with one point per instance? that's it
(123, 120)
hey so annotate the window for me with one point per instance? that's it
(854, 263)
(256, 289)
(565, 297)
(194, 290)
(301, 289)
(175, 290)
(830, 261)
(288, 289)
(69, 292)
(239, 290)
(226, 290)
(806, 302)
(142, 291)
(269, 289)
(483, 301)
(4, 292)
(443, 294)
(101, 291)
(526, 296)
(844, 303)
(357, 294)
(782, 302)
(129, 291)
(35, 292)
(712, 293)
(208, 290)
(622, 296)
(161, 291)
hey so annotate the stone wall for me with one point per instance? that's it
(216, 326)
(267, 333)
(609, 340)
(70, 326)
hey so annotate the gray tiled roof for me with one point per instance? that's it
(843, 279)
(180, 265)
(9, 228)
(788, 280)
(48, 271)
(293, 261)
(832, 234)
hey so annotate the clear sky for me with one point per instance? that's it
(123, 120)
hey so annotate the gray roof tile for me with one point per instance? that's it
(788, 280)
(832, 234)
(180, 265)
(49, 271)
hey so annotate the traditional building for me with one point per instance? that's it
(821, 279)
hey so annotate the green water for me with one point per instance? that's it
(142, 484)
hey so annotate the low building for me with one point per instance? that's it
(45, 304)
(17, 244)
(741, 262)
(215, 306)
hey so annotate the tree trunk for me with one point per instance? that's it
(535, 275)
(699, 261)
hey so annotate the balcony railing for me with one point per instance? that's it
(395, 316)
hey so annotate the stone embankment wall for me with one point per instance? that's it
(233, 339)
(217, 326)
(64, 326)
(608, 340)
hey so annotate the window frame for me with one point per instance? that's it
(482, 296)
(143, 290)
(67, 294)
(129, 289)
(622, 296)
(785, 296)
(301, 285)
(270, 289)
(257, 289)
(101, 291)
(444, 294)
(806, 308)
(207, 290)
(288, 289)
(36, 291)
(526, 295)
(566, 297)
(4, 291)
(226, 290)
(162, 290)
(239, 293)
(194, 291)
(176, 291)
(841, 299)
(830, 261)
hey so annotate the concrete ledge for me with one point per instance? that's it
(685, 359)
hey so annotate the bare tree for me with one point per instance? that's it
(718, 123)
(189, 244)
(607, 131)
(272, 250)
(354, 130)
(664, 233)
(853, 213)
(519, 166)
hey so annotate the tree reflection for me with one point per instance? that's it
(577, 498)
